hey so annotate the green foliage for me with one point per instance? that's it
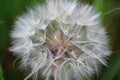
(99, 5)
(1, 73)
(114, 66)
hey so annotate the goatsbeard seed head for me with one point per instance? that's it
(60, 39)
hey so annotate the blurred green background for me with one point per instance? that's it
(11, 9)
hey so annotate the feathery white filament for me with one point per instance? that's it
(61, 39)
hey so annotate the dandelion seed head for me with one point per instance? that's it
(61, 39)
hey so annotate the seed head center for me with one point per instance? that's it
(57, 44)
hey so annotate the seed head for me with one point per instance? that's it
(60, 39)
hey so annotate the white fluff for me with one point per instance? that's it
(79, 22)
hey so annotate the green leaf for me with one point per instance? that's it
(113, 67)
(1, 73)
(99, 5)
